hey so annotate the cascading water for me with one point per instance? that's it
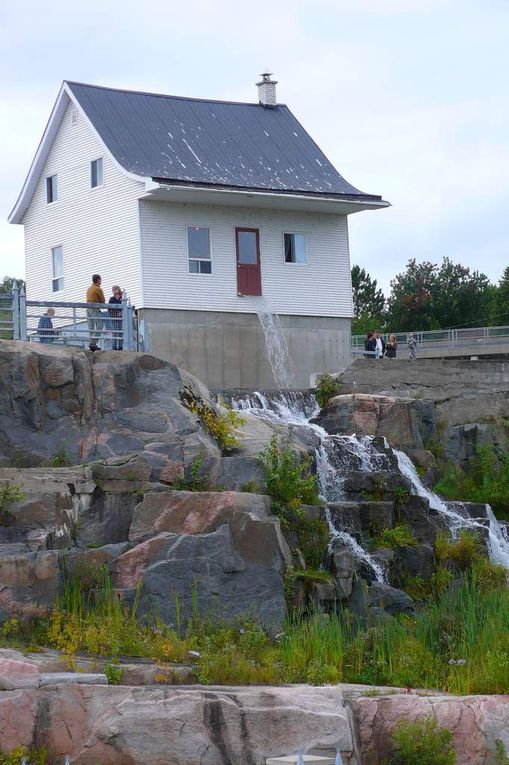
(335, 455)
(277, 347)
(498, 540)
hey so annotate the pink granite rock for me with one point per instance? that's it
(475, 722)
(18, 674)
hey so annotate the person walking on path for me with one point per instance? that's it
(115, 315)
(94, 316)
(45, 327)
(391, 347)
(379, 345)
(412, 345)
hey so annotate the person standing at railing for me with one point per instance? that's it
(45, 327)
(370, 345)
(115, 315)
(391, 347)
(94, 316)
(379, 345)
(412, 345)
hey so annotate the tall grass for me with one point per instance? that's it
(458, 642)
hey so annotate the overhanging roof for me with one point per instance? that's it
(197, 142)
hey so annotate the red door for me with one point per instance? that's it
(249, 277)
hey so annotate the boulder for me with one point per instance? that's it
(18, 674)
(405, 423)
(190, 512)
(476, 722)
(389, 599)
(182, 726)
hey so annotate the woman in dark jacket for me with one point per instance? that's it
(391, 347)
(370, 345)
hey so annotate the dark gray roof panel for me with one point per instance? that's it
(220, 143)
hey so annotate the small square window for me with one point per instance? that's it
(51, 189)
(295, 248)
(57, 262)
(96, 173)
(198, 250)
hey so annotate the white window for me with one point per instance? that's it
(96, 173)
(51, 189)
(57, 262)
(295, 248)
(198, 250)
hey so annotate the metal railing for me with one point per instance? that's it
(105, 325)
(468, 340)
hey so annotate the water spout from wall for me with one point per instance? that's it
(277, 347)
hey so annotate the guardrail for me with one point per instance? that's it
(444, 339)
(105, 325)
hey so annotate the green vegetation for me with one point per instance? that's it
(502, 758)
(291, 484)
(61, 459)
(10, 493)
(396, 537)
(327, 388)
(421, 743)
(458, 640)
(114, 673)
(31, 755)
(221, 424)
(195, 480)
(487, 480)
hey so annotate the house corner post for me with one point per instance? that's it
(23, 314)
(15, 313)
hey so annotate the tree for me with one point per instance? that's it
(410, 304)
(500, 314)
(368, 301)
(8, 283)
(428, 296)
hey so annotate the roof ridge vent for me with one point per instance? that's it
(267, 90)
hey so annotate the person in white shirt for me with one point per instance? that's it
(380, 345)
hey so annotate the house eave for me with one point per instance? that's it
(166, 191)
(65, 96)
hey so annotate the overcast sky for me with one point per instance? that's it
(407, 98)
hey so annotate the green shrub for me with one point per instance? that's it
(502, 758)
(421, 743)
(460, 553)
(195, 480)
(288, 477)
(9, 494)
(486, 481)
(31, 755)
(61, 459)
(396, 537)
(114, 673)
(221, 424)
(327, 388)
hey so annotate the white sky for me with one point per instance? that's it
(407, 98)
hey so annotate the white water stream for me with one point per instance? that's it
(277, 347)
(335, 455)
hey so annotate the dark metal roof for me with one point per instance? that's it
(218, 143)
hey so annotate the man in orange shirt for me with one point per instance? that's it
(94, 316)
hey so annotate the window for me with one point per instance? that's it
(198, 250)
(295, 248)
(96, 173)
(51, 189)
(57, 260)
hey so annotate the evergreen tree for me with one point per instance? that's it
(500, 315)
(368, 300)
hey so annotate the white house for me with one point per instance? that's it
(205, 212)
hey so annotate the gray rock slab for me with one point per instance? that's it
(73, 678)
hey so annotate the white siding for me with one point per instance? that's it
(320, 288)
(97, 228)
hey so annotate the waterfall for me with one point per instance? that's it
(336, 455)
(498, 540)
(277, 348)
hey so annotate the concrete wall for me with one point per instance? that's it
(227, 350)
